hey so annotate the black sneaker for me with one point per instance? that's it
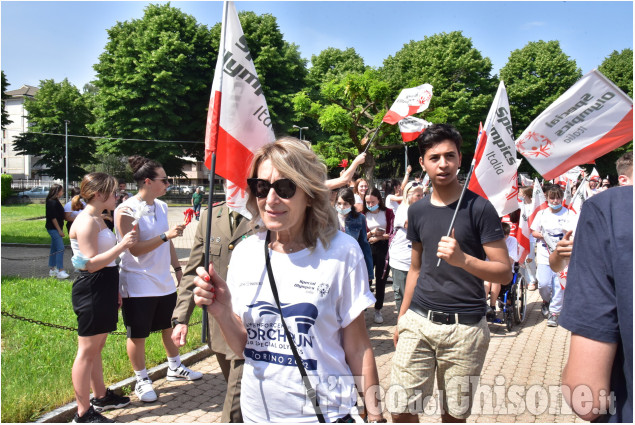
(544, 309)
(109, 401)
(91, 417)
(491, 313)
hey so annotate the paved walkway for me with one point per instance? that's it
(519, 383)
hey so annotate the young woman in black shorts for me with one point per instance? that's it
(95, 295)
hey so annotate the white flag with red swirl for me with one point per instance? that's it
(238, 121)
(410, 101)
(495, 174)
(589, 120)
(412, 127)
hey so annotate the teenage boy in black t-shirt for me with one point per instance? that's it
(442, 329)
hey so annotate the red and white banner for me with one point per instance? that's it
(595, 174)
(579, 197)
(529, 211)
(412, 127)
(525, 181)
(495, 174)
(238, 121)
(410, 101)
(590, 119)
(570, 176)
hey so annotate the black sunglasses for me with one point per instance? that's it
(260, 188)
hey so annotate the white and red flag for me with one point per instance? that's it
(238, 121)
(412, 127)
(495, 174)
(529, 211)
(594, 174)
(590, 119)
(525, 181)
(570, 176)
(410, 101)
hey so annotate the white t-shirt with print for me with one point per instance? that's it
(147, 275)
(555, 225)
(321, 292)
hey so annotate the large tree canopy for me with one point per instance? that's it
(154, 79)
(347, 101)
(463, 87)
(50, 107)
(618, 67)
(535, 76)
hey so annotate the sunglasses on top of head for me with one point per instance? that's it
(260, 188)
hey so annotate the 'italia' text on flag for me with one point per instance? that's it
(495, 173)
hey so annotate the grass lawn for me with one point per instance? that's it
(21, 224)
(37, 360)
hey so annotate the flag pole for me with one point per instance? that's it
(577, 192)
(373, 138)
(212, 173)
(467, 182)
(406, 154)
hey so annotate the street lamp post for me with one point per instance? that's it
(66, 149)
(300, 128)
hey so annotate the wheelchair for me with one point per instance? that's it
(512, 301)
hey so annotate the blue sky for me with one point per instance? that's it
(44, 40)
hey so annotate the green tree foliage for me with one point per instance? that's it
(347, 100)
(535, 76)
(331, 63)
(5, 115)
(281, 70)
(52, 105)
(154, 79)
(5, 186)
(618, 67)
(463, 88)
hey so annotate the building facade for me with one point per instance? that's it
(18, 165)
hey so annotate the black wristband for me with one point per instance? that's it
(178, 269)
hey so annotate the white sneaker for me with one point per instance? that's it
(53, 272)
(62, 274)
(378, 317)
(144, 391)
(183, 373)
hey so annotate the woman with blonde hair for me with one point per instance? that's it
(95, 295)
(294, 297)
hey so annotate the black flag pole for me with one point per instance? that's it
(208, 232)
(212, 170)
(373, 138)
